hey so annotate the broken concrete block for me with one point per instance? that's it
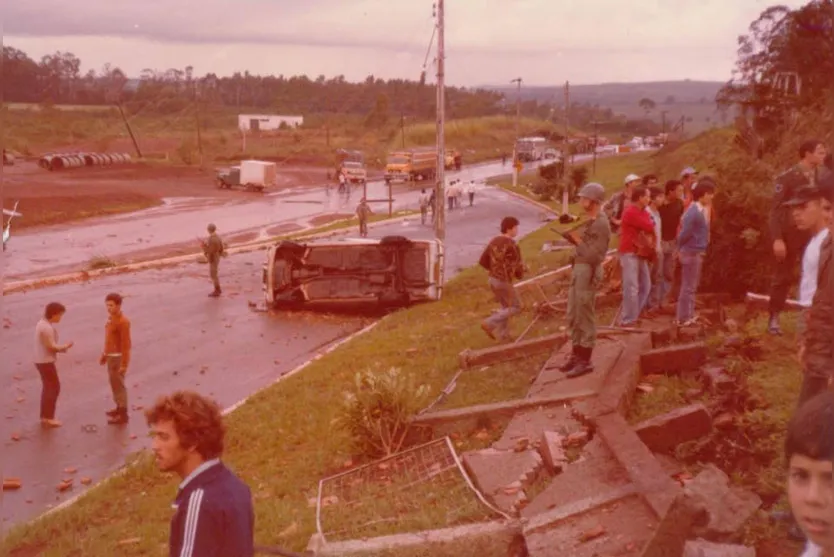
(665, 432)
(552, 452)
(717, 379)
(492, 471)
(502, 353)
(703, 548)
(676, 526)
(674, 359)
(728, 507)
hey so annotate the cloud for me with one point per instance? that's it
(520, 26)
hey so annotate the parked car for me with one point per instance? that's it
(392, 271)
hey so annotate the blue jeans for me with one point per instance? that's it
(655, 299)
(667, 276)
(690, 277)
(636, 286)
(505, 295)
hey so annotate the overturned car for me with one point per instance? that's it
(392, 271)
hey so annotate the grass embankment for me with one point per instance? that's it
(610, 172)
(174, 137)
(284, 440)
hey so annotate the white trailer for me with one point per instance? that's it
(267, 122)
(257, 175)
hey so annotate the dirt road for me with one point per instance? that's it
(182, 339)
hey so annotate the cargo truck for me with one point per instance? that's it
(411, 165)
(250, 175)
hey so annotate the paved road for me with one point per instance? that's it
(182, 220)
(182, 339)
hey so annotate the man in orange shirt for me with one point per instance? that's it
(116, 355)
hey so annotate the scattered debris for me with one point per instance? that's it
(717, 379)
(728, 507)
(665, 432)
(487, 356)
(674, 359)
(11, 484)
(703, 548)
(552, 451)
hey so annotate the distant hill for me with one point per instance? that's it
(618, 94)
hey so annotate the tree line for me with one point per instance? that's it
(57, 79)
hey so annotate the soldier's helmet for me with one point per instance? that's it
(211, 227)
(593, 191)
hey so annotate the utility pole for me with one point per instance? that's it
(129, 129)
(566, 157)
(440, 186)
(199, 131)
(517, 123)
(402, 127)
(663, 120)
(596, 124)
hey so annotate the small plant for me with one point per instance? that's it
(376, 413)
(100, 262)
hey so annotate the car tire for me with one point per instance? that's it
(290, 250)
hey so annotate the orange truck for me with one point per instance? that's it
(411, 165)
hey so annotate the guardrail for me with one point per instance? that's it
(63, 161)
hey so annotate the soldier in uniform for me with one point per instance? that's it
(788, 241)
(363, 211)
(214, 250)
(586, 278)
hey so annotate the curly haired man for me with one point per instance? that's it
(213, 513)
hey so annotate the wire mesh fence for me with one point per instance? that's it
(422, 488)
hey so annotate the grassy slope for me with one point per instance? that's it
(36, 131)
(610, 173)
(281, 447)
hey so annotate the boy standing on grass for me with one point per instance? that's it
(656, 200)
(809, 450)
(213, 513)
(502, 258)
(818, 337)
(692, 246)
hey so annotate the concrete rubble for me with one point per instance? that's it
(583, 482)
(703, 548)
(665, 432)
(728, 507)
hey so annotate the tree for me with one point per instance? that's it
(647, 104)
(783, 46)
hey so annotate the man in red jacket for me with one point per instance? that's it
(636, 279)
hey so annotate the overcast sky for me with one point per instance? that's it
(487, 41)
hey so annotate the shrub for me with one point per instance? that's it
(377, 412)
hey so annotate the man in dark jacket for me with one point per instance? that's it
(213, 513)
(788, 241)
(502, 258)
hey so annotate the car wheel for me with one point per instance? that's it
(289, 250)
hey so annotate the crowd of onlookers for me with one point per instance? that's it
(664, 233)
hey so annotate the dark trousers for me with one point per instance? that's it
(785, 271)
(51, 390)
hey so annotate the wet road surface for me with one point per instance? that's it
(40, 251)
(182, 340)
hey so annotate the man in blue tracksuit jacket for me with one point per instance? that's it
(213, 513)
(693, 240)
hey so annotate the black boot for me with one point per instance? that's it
(584, 366)
(120, 418)
(571, 362)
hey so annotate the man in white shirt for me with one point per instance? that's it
(657, 197)
(46, 352)
(812, 214)
(470, 190)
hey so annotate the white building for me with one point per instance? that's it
(256, 122)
